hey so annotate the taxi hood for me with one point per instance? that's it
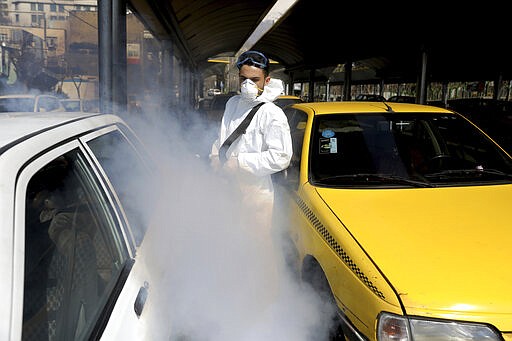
(442, 249)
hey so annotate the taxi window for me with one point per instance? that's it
(388, 149)
(297, 120)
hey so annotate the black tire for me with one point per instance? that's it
(314, 276)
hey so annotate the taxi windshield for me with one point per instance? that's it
(397, 149)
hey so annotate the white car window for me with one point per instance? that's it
(47, 103)
(12, 104)
(71, 105)
(75, 252)
(124, 166)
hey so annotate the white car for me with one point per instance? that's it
(77, 104)
(71, 237)
(28, 102)
(213, 92)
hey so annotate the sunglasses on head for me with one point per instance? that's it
(255, 58)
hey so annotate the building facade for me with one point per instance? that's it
(39, 13)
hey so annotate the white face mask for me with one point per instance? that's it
(249, 90)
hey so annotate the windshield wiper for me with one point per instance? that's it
(381, 178)
(468, 173)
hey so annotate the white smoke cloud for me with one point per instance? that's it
(211, 272)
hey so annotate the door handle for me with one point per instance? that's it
(140, 300)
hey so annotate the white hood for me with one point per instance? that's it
(273, 89)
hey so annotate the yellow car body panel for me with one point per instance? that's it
(323, 108)
(408, 251)
(360, 289)
(417, 237)
(284, 100)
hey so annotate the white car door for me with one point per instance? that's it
(122, 158)
(76, 272)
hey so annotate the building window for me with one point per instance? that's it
(40, 7)
(61, 8)
(34, 18)
(33, 7)
(53, 8)
(3, 37)
(17, 18)
(53, 17)
(51, 43)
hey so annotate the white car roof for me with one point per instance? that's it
(18, 125)
(17, 96)
(25, 96)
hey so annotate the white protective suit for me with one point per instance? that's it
(264, 149)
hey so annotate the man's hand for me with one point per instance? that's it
(231, 165)
(215, 163)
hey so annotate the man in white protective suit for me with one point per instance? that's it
(262, 149)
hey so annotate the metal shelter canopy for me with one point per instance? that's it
(202, 28)
(463, 42)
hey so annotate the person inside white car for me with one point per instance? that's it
(61, 279)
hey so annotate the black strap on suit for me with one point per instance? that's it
(237, 132)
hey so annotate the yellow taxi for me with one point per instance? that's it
(284, 100)
(400, 216)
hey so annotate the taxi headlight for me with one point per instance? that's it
(398, 328)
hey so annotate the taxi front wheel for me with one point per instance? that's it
(313, 275)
